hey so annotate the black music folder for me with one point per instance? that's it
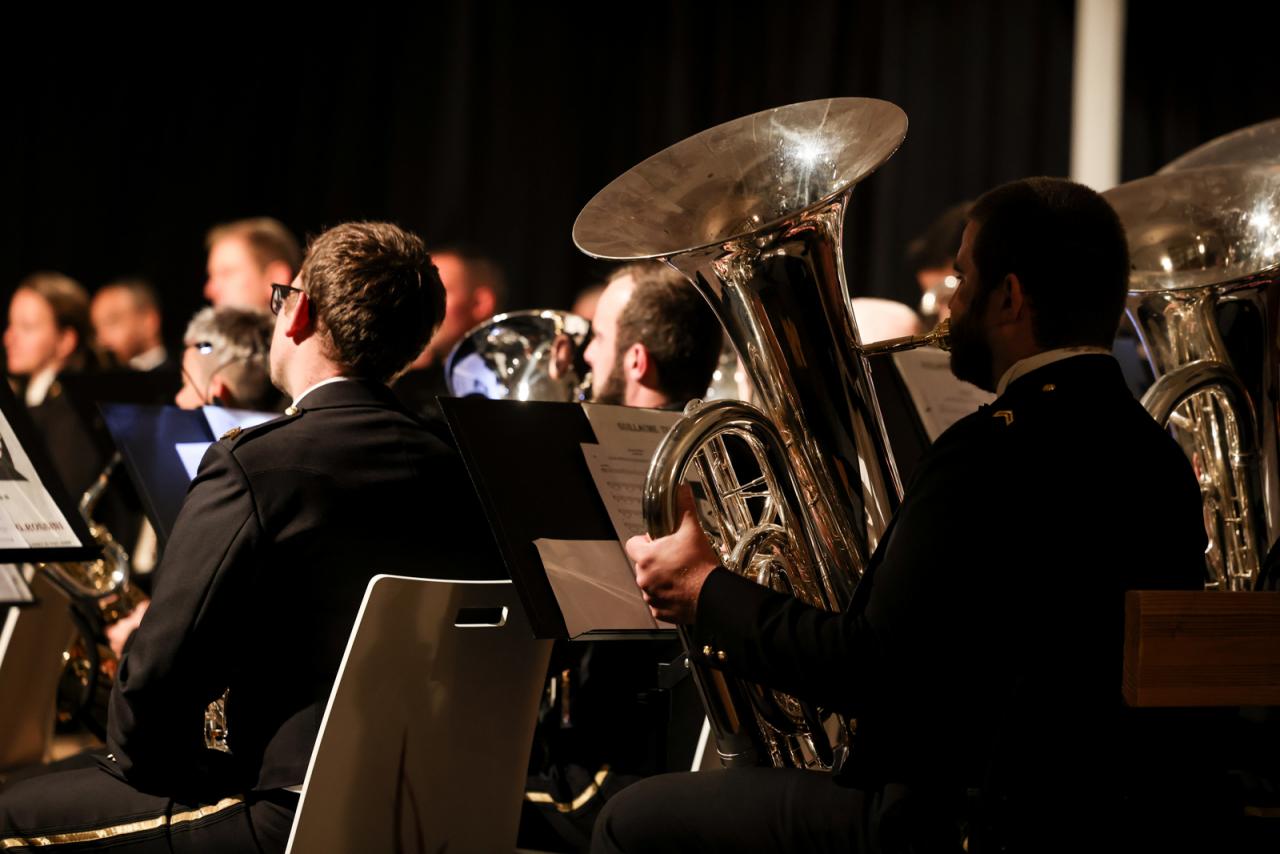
(38, 519)
(527, 463)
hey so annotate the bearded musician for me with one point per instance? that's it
(982, 650)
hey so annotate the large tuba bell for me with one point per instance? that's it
(1204, 244)
(752, 213)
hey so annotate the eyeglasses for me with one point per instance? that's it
(280, 293)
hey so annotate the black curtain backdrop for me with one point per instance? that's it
(1194, 73)
(494, 123)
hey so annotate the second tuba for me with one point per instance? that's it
(1204, 296)
(752, 213)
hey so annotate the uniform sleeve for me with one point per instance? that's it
(176, 663)
(919, 600)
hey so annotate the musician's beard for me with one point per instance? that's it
(970, 351)
(614, 390)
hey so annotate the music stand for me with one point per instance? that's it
(38, 520)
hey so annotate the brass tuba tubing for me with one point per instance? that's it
(752, 213)
(939, 336)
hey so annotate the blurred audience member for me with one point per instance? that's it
(126, 323)
(245, 258)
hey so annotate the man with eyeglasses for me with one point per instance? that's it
(280, 533)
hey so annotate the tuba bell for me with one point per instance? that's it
(522, 355)
(752, 213)
(1204, 297)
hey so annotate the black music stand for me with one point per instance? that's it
(525, 459)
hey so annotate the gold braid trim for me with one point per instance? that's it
(587, 794)
(119, 829)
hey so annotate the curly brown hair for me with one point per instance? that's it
(377, 296)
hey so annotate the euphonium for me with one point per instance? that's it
(1204, 296)
(752, 212)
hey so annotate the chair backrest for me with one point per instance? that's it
(32, 641)
(425, 742)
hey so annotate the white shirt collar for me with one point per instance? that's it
(149, 360)
(38, 386)
(1025, 366)
(310, 389)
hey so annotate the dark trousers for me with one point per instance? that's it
(766, 809)
(88, 809)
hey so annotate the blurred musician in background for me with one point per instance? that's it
(261, 580)
(931, 259)
(584, 304)
(50, 333)
(127, 323)
(655, 343)
(982, 650)
(475, 290)
(224, 361)
(245, 258)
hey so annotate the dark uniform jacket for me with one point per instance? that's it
(279, 535)
(986, 636)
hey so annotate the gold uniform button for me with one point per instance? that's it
(707, 651)
(720, 655)
(292, 410)
(1049, 387)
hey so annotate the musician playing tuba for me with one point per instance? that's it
(982, 649)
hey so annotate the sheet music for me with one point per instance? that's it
(31, 519)
(940, 399)
(620, 479)
(13, 585)
(594, 585)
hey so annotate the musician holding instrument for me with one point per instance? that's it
(282, 529)
(981, 654)
(654, 344)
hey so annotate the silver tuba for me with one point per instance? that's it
(522, 355)
(752, 212)
(1204, 245)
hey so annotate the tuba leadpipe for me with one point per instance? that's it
(752, 213)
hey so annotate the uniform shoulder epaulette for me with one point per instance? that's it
(237, 435)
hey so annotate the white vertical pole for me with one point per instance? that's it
(1097, 93)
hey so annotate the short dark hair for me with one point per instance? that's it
(671, 319)
(377, 296)
(1067, 247)
(269, 240)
